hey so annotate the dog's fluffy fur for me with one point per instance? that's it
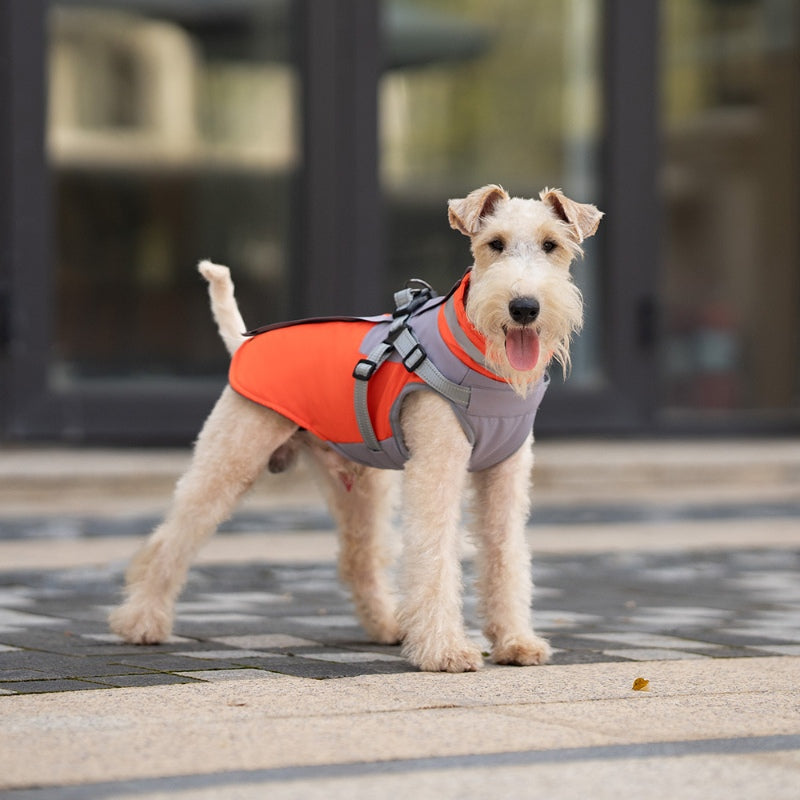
(522, 249)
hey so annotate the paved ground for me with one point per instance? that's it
(688, 579)
(239, 620)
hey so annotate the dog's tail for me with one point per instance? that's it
(223, 304)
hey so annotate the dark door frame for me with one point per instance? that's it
(627, 238)
(338, 200)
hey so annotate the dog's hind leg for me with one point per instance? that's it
(505, 584)
(234, 446)
(361, 500)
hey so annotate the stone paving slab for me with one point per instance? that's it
(273, 733)
(674, 561)
(297, 620)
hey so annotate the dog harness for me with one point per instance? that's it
(344, 378)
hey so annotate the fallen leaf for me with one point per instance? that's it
(641, 685)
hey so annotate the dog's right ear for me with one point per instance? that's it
(465, 215)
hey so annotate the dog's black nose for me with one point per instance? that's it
(524, 310)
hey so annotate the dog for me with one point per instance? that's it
(464, 415)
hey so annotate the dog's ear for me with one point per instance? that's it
(465, 215)
(583, 218)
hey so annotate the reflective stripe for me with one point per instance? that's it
(405, 345)
(377, 357)
(463, 341)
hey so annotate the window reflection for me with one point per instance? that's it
(731, 283)
(505, 92)
(171, 137)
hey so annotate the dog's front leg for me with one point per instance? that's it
(502, 503)
(434, 479)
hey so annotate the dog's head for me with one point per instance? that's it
(521, 295)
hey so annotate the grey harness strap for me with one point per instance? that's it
(401, 339)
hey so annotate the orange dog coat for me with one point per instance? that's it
(304, 371)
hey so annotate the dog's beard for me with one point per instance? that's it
(553, 332)
(522, 381)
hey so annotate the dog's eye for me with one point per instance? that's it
(548, 245)
(498, 245)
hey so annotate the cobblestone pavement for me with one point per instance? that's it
(297, 620)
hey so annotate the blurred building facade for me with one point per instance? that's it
(312, 146)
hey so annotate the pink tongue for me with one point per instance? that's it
(522, 348)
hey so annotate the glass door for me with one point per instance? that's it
(171, 136)
(149, 135)
(145, 137)
(477, 93)
(731, 268)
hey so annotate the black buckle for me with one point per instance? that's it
(364, 369)
(418, 351)
(419, 293)
(412, 305)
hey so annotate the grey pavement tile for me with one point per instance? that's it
(265, 641)
(240, 674)
(145, 679)
(14, 619)
(56, 663)
(583, 657)
(15, 597)
(60, 685)
(113, 639)
(548, 620)
(214, 628)
(639, 639)
(781, 649)
(168, 662)
(326, 621)
(231, 655)
(352, 657)
(760, 633)
(8, 675)
(297, 620)
(308, 668)
(65, 641)
(47, 665)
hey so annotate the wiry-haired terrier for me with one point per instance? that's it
(445, 388)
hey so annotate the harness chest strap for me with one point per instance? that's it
(402, 340)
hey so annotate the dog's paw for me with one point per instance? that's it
(382, 630)
(522, 651)
(389, 634)
(141, 626)
(462, 658)
(378, 617)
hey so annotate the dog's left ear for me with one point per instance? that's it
(583, 218)
(465, 215)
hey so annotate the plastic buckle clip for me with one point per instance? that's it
(364, 369)
(418, 354)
